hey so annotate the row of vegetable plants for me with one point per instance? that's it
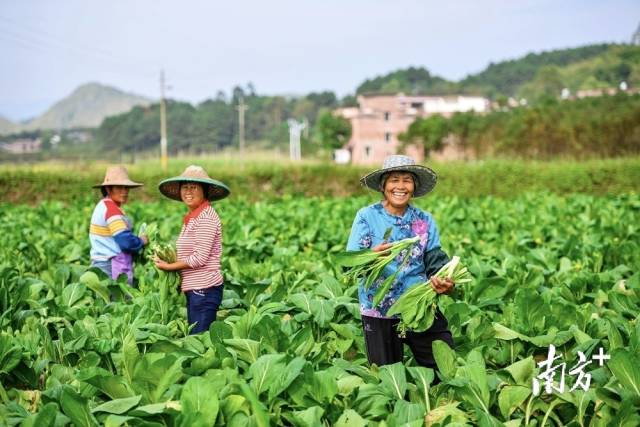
(287, 349)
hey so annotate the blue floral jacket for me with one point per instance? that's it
(368, 230)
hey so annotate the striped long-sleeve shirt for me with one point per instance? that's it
(200, 246)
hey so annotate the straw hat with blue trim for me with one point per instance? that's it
(426, 178)
(213, 190)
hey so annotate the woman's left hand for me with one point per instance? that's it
(442, 286)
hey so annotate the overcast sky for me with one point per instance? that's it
(49, 48)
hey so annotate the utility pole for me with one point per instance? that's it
(163, 124)
(242, 107)
(295, 129)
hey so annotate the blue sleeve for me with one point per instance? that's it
(360, 237)
(433, 240)
(128, 242)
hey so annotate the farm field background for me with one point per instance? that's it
(551, 267)
(262, 177)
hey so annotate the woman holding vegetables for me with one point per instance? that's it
(112, 240)
(376, 227)
(199, 245)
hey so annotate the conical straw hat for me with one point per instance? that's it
(117, 175)
(213, 189)
(427, 178)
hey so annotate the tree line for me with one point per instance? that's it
(606, 126)
(213, 124)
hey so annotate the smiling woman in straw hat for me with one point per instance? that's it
(110, 233)
(199, 244)
(393, 218)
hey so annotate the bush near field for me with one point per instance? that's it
(257, 181)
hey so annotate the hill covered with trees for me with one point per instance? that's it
(507, 77)
(535, 74)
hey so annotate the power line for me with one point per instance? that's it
(55, 43)
(54, 40)
(23, 43)
(36, 46)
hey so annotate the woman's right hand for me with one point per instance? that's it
(162, 265)
(382, 247)
(170, 266)
(144, 238)
(442, 286)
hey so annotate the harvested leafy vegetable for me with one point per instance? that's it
(167, 280)
(417, 306)
(368, 265)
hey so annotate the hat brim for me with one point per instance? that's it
(215, 189)
(120, 183)
(427, 178)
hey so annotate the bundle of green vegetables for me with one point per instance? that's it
(417, 306)
(167, 280)
(368, 265)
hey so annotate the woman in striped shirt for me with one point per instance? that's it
(199, 244)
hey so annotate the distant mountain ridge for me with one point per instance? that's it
(86, 106)
(7, 126)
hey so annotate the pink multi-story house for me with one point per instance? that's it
(379, 118)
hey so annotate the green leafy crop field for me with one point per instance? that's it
(287, 348)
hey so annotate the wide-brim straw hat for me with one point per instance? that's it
(117, 175)
(426, 178)
(214, 190)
